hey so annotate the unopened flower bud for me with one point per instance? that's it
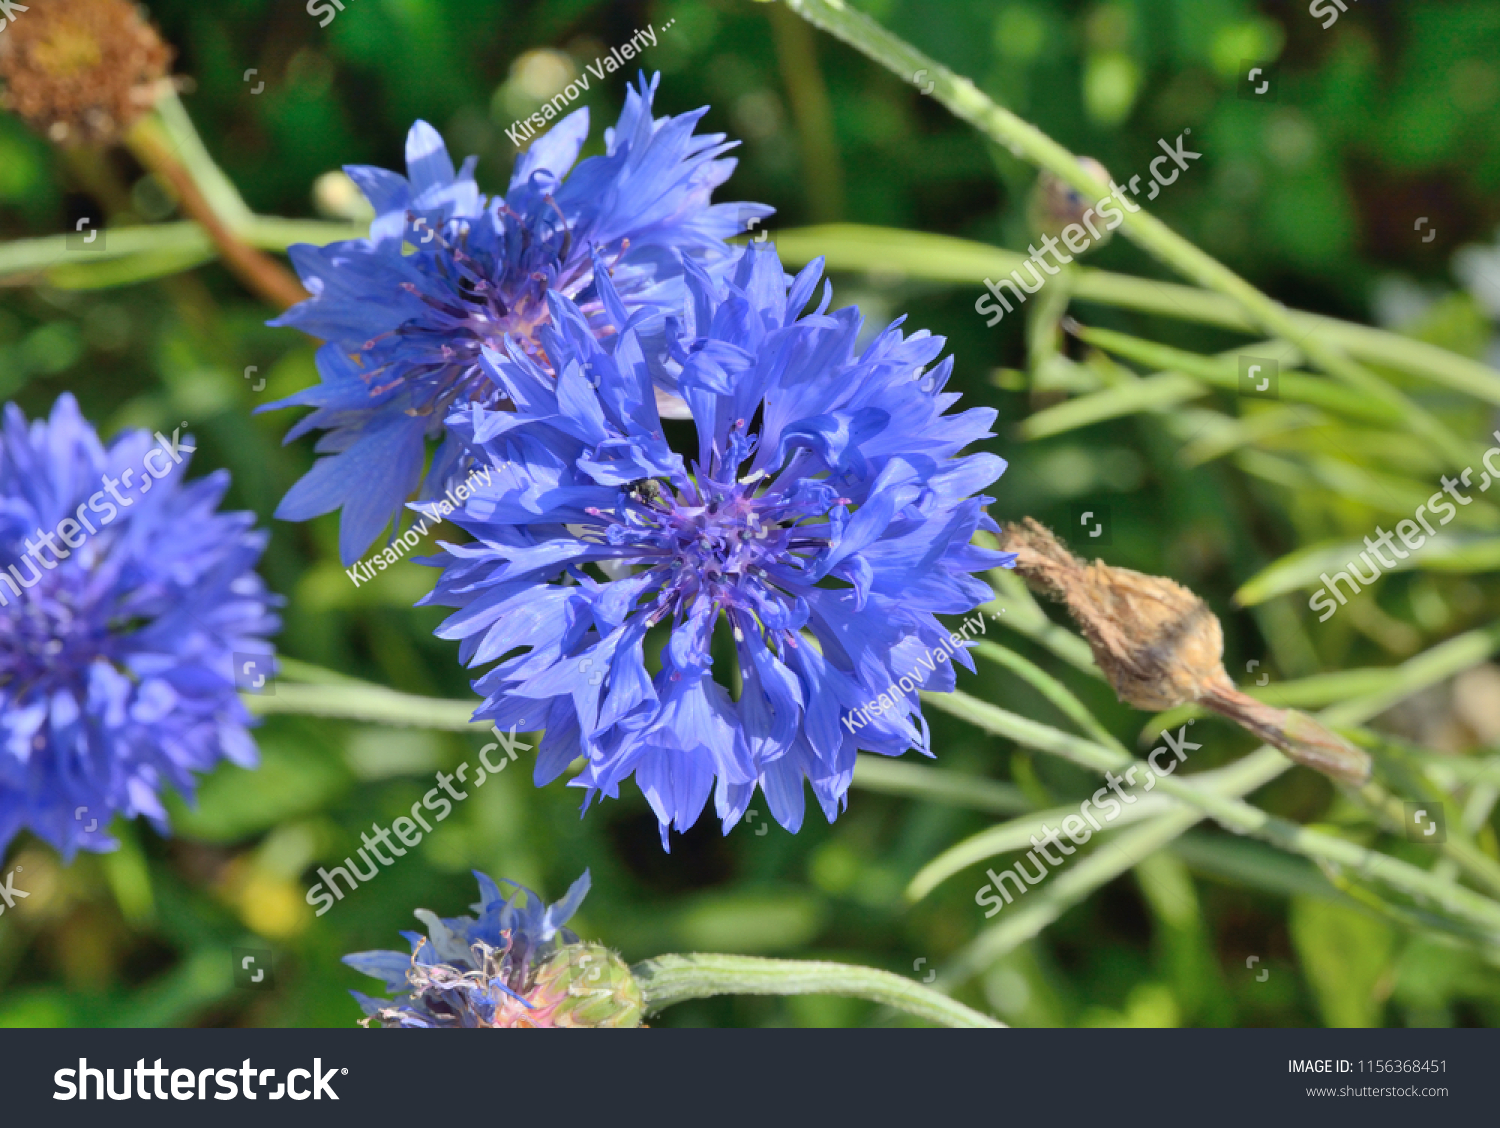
(587, 985)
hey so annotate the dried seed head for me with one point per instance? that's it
(1157, 643)
(81, 71)
(1160, 646)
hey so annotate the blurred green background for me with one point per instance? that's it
(1390, 115)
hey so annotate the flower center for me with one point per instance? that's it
(47, 635)
(733, 545)
(476, 296)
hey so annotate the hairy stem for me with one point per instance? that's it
(673, 979)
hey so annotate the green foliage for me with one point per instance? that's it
(1389, 116)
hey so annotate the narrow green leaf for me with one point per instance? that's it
(942, 258)
(1304, 568)
(1160, 392)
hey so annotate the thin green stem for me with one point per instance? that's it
(967, 102)
(294, 669)
(305, 689)
(1233, 814)
(807, 94)
(1222, 372)
(144, 251)
(1017, 608)
(955, 789)
(373, 704)
(944, 258)
(1457, 846)
(1239, 778)
(1116, 855)
(1050, 688)
(672, 979)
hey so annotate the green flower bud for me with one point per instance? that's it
(587, 985)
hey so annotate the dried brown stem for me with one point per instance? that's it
(262, 274)
(1160, 646)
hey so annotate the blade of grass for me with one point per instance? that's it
(943, 258)
(373, 704)
(1237, 779)
(1064, 890)
(1160, 392)
(1304, 567)
(1018, 609)
(955, 789)
(1050, 688)
(1240, 817)
(1223, 372)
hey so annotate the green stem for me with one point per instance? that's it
(1222, 372)
(955, 789)
(1239, 778)
(1234, 814)
(943, 258)
(1050, 688)
(1017, 608)
(807, 94)
(672, 979)
(161, 248)
(308, 690)
(1111, 859)
(1457, 846)
(1026, 141)
(187, 146)
(373, 704)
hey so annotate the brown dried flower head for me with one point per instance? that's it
(81, 71)
(1160, 646)
(1157, 643)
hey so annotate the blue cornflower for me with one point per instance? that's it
(447, 272)
(515, 966)
(119, 613)
(824, 521)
